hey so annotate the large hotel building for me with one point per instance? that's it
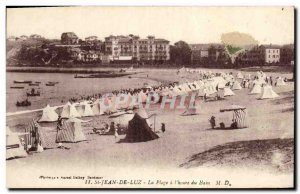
(131, 47)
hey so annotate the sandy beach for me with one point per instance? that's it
(174, 154)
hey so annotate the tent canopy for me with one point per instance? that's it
(139, 130)
(232, 108)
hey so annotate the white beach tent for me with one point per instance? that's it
(189, 111)
(69, 110)
(239, 75)
(236, 86)
(248, 76)
(123, 119)
(228, 92)
(97, 110)
(256, 89)
(14, 148)
(80, 108)
(280, 82)
(49, 114)
(87, 110)
(267, 92)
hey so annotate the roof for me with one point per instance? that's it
(161, 40)
(93, 37)
(232, 107)
(270, 46)
(199, 46)
(69, 34)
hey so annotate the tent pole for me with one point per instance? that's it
(154, 122)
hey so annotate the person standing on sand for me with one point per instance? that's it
(116, 131)
(112, 128)
(212, 122)
(163, 127)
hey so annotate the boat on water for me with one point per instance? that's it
(17, 87)
(33, 84)
(50, 84)
(103, 75)
(22, 82)
(23, 103)
(82, 76)
(33, 93)
(53, 82)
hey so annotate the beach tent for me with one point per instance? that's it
(96, 108)
(240, 115)
(280, 82)
(107, 105)
(191, 110)
(139, 130)
(70, 131)
(236, 86)
(256, 89)
(248, 76)
(80, 108)
(227, 92)
(123, 120)
(143, 113)
(49, 114)
(87, 110)
(239, 75)
(14, 148)
(39, 136)
(142, 96)
(267, 92)
(69, 110)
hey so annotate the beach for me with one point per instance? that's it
(172, 154)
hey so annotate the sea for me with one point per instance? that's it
(67, 87)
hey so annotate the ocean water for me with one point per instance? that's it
(67, 87)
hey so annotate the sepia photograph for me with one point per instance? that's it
(150, 97)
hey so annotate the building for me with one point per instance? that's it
(12, 38)
(272, 54)
(259, 55)
(132, 48)
(91, 39)
(23, 37)
(205, 54)
(35, 36)
(200, 53)
(69, 38)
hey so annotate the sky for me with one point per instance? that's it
(268, 25)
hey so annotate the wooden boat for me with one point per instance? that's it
(34, 84)
(17, 87)
(104, 75)
(22, 82)
(50, 84)
(83, 76)
(33, 94)
(23, 103)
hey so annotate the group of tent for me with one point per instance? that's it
(101, 106)
(37, 138)
(264, 90)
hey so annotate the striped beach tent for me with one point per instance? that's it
(39, 136)
(70, 131)
(240, 115)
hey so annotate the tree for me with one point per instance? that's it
(180, 53)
